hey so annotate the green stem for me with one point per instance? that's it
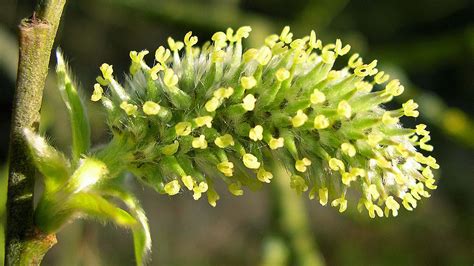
(25, 245)
(293, 221)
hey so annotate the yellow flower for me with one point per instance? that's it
(264, 176)
(224, 141)
(97, 94)
(256, 133)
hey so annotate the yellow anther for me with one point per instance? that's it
(129, 108)
(154, 71)
(183, 128)
(333, 74)
(364, 86)
(387, 119)
(264, 176)
(355, 61)
(323, 196)
(373, 209)
(271, 40)
(348, 149)
(172, 187)
(248, 82)
(170, 149)
(236, 189)
(336, 164)
(188, 181)
(204, 121)
(298, 183)
(431, 162)
(224, 141)
(302, 165)
(276, 143)
(212, 197)
(340, 50)
(381, 77)
(212, 104)
(264, 55)
(299, 119)
(230, 35)
(175, 46)
(190, 40)
(421, 130)
(250, 161)
(374, 138)
(107, 71)
(394, 88)
(409, 108)
(151, 108)
(243, 32)
(366, 70)
(282, 74)
(344, 109)
(217, 56)
(321, 122)
(138, 57)
(429, 183)
(223, 93)
(170, 79)
(249, 102)
(256, 133)
(341, 202)
(250, 54)
(220, 40)
(286, 36)
(199, 142)
(314, 43)
(162, 54)
(227, 168)
(348, 177)
(391, 205)
(328, 57)
(317, 97)
(408, 202)
(199, 189)
(372, 192)
(97, 94)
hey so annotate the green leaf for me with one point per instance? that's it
(77, 113)
(141, 230)
(50, 162)
(54, 212)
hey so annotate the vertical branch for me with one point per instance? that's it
(25, 245)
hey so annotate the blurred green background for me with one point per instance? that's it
(428, 44)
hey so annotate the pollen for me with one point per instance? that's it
(172, 188)
(256, 133)
(183, 128)
(250, 161)
(200, 142)
(227, 168)
(321, 122)
(97, 94)
(151, 108)
(299, 119)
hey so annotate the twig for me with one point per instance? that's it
(25, 244)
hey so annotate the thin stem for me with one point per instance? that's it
(293, 221)
(25, 244)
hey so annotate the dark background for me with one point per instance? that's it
(428, 44)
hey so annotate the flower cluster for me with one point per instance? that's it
(219, 112)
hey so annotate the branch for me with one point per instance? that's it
(26, 245)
